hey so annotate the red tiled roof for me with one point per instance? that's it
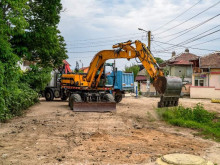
(83, 68)
(141, 78)
(181, 59)
(210, 61)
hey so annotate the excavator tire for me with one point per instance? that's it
(109, 98)
(74, 98)
(118, 97)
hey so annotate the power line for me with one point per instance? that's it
(177, 16)
(115, 41)
(177, 45)
(194, 27)
(101, 38)
(206, 42)
(189, 18)
(194, 38)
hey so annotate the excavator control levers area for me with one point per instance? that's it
(89, 93)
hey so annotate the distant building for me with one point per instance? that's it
(181, 66)
(84, 69)
(206, 76)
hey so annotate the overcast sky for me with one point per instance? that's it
(89, 26)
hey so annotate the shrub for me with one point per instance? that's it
(197, 118)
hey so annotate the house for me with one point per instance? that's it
(25, 65)
(145, 87)
(84, 69)
(206, 76)
(181, 66)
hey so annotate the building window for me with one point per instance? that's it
(199, 82)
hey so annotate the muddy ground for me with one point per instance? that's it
(50, 133)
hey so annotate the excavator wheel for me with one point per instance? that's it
(109, 98)
(118, 97)
(74, 98)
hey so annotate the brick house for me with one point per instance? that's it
(206, 76)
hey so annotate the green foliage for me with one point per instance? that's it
(37, 78)
(159, 60)
(42, 41)
(28, 30)
(197, 118)
(20, 99)
(133, 68)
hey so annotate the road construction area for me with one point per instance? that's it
(50, 133)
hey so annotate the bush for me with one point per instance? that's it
(197, 118)
(37, 78)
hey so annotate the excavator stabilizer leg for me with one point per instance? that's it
(169, 89)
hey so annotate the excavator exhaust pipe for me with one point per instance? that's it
(169, 89)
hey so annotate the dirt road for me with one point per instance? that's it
(50, 133)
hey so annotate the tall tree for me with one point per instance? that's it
(12, 23)
(42, 41)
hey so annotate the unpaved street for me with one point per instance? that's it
(50, 133)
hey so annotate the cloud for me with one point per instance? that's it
(89, 19)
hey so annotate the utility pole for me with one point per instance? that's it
(81, 63)
(148, 35)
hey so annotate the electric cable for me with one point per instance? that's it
(177, 16)
(194, 27)
(189, 18)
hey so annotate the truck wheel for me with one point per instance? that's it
(109, 98)
(74, 98)
(118, 97)
(49, 95)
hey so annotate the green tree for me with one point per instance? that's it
(159, 60)
(42, 42)
(28, 30)
(12, 23)
(133, 68)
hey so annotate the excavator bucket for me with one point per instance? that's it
(93, 106)
(169, 89)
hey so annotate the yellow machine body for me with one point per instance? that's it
(169, 88)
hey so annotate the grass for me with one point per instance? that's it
(207, 123)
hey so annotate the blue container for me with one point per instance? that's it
(123, 81)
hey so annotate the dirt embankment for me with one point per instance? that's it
(49, 133)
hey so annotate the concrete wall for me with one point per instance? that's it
(214, 78)
(180, 71)
(210, 79)
(204, 92)
(186, 89)
(143, 86)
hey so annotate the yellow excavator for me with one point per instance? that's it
(88, 92)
